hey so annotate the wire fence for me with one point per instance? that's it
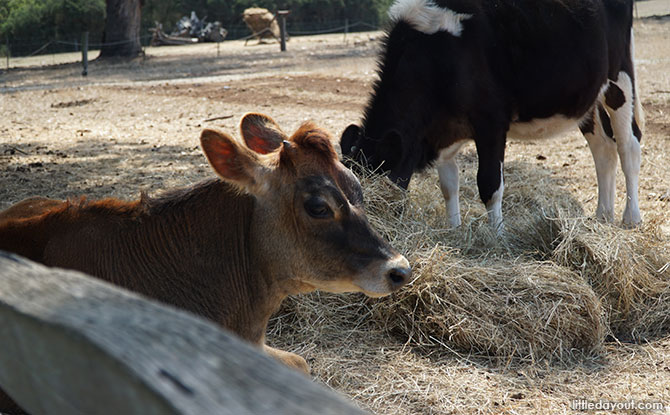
(45, 51)
(304, 28)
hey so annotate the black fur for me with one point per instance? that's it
(515, 61)
(614, 96)
(605, 122)
(588, 124)
(636, 130)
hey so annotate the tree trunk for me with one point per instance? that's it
(122, 29)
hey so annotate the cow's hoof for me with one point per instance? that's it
(631, 224)
(631, 219)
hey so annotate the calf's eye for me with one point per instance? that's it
(318, 209)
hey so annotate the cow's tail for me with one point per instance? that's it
(638, 111)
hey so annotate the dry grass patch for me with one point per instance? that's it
(527, 311)
(550, 288)
(628, 269)
(477, 292)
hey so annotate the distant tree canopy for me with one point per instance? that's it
(44, 19)
(31, 21)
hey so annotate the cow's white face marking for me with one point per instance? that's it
(542, 127)
(427, 17)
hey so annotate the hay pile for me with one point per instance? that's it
(628, 270)
(261, 21)
(480, 293)
(552, 288)
(497, 308)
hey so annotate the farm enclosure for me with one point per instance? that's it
(135, 126)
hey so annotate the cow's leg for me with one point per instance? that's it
(288, 358)
(597, 130)
(447, 169)
(491, 152)
(448, 172)
(619, 104)
(494, 202)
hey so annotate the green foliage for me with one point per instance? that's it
(78, 15)
(43, 19)
(29, 24)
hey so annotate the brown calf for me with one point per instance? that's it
(287, 218)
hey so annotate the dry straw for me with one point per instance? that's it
(628, 269)
(551, 288)
(261, 21)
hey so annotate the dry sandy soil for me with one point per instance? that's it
(135, 126)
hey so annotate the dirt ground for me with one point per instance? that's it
(135, 126)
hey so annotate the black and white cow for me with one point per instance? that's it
(453, 70)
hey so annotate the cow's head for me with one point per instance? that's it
(311, 230)
(385, 155)
(407, 105)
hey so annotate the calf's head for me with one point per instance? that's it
(309, 229)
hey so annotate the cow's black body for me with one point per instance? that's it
(505, 67)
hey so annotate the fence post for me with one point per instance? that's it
(346, 29)
(7, 43)
(282, 28)
(84, 53)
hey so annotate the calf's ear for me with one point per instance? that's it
(261, 133)
(349, 139)
(233, 162)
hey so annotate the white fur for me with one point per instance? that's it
(374, 282)
(604, 154)
(628, 148)
(427, 17)
(447, 169)
(541, 127)
(494, 206)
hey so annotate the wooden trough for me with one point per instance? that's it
(72, 344)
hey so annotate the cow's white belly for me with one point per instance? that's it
(542, 127)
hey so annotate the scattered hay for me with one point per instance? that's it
(502, 309)
(416, 221)
(628, 269)
(549, 289)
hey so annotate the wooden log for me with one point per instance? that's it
(159, 38)
(73, 344)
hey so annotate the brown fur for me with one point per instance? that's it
(229, 250)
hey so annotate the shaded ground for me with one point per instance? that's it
(135, 126)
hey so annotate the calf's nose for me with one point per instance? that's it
(400, 272)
